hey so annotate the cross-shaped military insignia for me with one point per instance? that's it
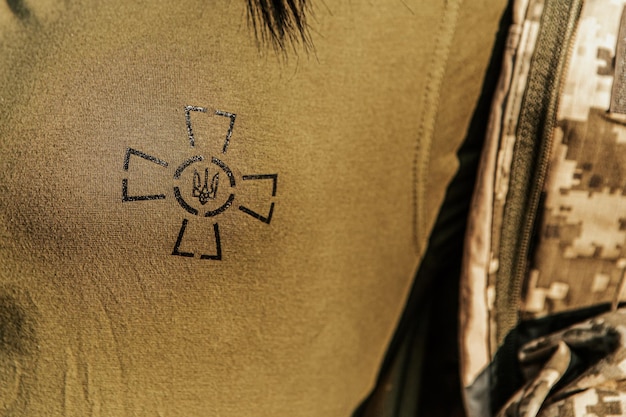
(204, 186)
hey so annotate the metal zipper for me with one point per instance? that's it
(531, 155)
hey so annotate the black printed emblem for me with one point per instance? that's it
(203, 185)
(205, 193)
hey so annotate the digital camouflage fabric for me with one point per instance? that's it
(546, 247)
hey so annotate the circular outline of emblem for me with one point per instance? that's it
(189, 208)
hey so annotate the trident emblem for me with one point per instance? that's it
(202, 192)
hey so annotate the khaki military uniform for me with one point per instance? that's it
(192, 224)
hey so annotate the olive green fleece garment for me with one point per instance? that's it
(192, 225)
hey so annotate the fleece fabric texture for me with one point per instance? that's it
(192, 224)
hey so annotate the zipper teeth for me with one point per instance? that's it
(509, 281)
(547, 142)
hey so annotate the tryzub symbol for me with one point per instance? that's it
(206, 191)
(202, 192)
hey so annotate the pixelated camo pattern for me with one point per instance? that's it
(578, 372)
(580, 255)
(580, 252)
